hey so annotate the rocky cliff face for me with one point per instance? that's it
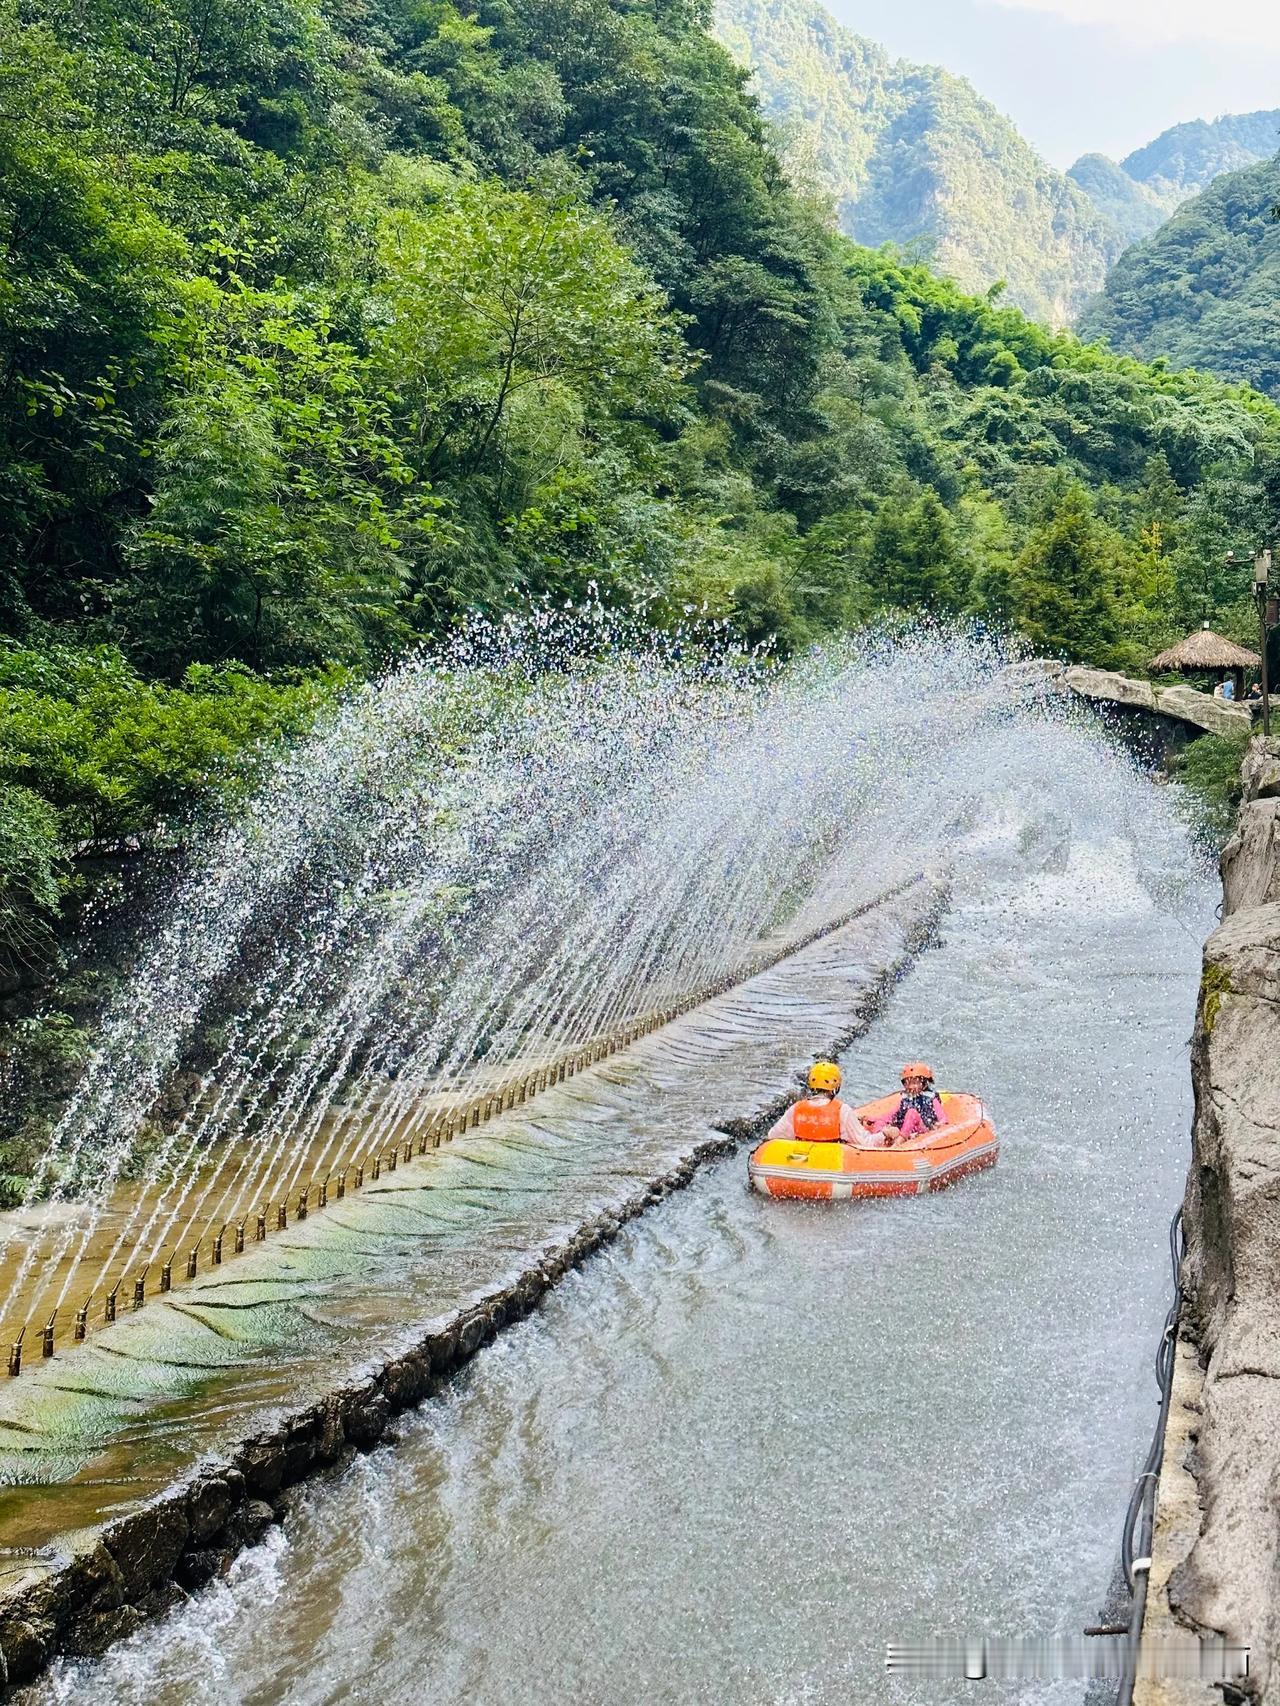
(1230, 1581)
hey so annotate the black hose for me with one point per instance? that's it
(1140, 1515)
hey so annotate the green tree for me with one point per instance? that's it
(283, 516)
(914, 559)
(111, 754)
(30, 887)
(490, 294)
(1064, 581)
(85, 286)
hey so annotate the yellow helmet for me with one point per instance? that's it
(825, 1075)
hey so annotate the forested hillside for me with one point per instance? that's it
(1190, 156)
(915, 156)
(1134, 208)
(1204, 291)
(324, 326)
(1150, 184)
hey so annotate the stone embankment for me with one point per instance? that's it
(107, 1582)
(1180, 704)
(1217, 1567)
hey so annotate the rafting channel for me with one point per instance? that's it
(750, 1442)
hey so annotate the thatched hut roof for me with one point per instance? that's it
(1206, 650)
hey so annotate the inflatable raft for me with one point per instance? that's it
(966, 1144)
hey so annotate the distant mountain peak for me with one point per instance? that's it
(1136, 209)
(1150, 184)
(914, 154)
(1187, 157)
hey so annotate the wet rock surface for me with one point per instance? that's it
(1230, 1580)
(1260, 772)
(1251, 859)
(1185, 704)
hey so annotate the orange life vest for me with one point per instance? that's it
(817, 1124)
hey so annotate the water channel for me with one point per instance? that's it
(752, 1442)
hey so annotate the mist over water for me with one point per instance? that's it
(753, 1441)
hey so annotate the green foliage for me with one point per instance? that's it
(1189, 156)
(283, 513)
(1138, 195)
(84, 293)
(91, 752)
(30, 890)
(97, 764)
(1065, 581)
(1204, 290)
(40, 1057)
(323, 327)
(535, 368)
(1209, 767)
(1135, 209)
(913, 558)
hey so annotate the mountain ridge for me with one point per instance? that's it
(915, 154)
(1149, 185)
(1189, 156)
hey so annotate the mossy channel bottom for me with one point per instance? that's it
(751, 1442)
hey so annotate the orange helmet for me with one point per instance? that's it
(825, 1075)
(917, 1069)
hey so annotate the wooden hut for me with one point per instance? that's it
(1207, 653)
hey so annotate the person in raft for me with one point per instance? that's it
(821, 1117)
(919, 1108)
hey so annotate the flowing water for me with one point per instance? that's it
(752, 1442)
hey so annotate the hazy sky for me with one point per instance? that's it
(1079, 75)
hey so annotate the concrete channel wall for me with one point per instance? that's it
(1216, 1555)
(81, 1586)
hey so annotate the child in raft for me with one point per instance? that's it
(919, 1109)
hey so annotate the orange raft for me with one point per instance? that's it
(967, 1143)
